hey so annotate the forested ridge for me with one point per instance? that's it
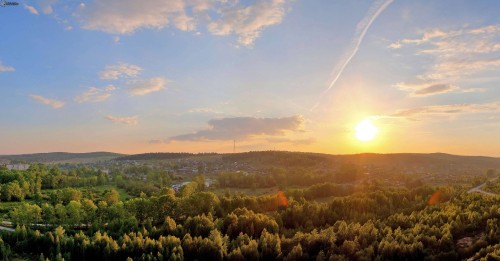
(162, 156)
(59, 156)
(62, 214)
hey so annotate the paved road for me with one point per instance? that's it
(7, 225)
(9, 229)
(479, 190)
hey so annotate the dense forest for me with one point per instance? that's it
(60, 157)
(132, 213)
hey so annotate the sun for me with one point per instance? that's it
(366, 131)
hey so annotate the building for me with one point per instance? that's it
(18, 166)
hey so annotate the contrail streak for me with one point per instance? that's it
(375, 10)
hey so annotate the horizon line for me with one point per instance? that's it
(222, 153)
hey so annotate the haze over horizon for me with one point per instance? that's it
(195, 75)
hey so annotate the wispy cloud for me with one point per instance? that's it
(31, 9)
(426, 37)
(56, 9)
(94, 94)
(444, 110)
(452, 42)
(56, 104)
(204, 110)
(143, 87)
(426, 88)
(46, 6)
(458, 69)
(133, 120)
(5, 68)
(465, 53)
(434, 89)
(375, 10)
(243, 127)
(114, 72)
(155, 141)
(221, 17)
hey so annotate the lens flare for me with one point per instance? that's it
(282, 200)
(435, 198)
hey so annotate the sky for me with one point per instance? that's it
(133, 76)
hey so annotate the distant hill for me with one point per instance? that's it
(416, 159)
(301, 159)
(276, 158)
(162, 156)
(291, 159)
(61, 157)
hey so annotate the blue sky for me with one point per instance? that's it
(194, 75)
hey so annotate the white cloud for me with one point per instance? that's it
(94, 94)
(53, 103)
(221, 17)
(31, 9)
(5, 68)
(466, 53)
(110, 88)
(143, 87)
(395, 45)
(247, 22)
(243, 127)
(133, 120)
(114, 72)
(184, 22)
(127, 16)
(468, 90)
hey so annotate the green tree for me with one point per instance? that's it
(26, 214)
(112, 197)
(13, 191)
(74, 213)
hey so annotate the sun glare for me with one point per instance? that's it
(366, 131)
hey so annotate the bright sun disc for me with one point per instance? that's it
(366, 131)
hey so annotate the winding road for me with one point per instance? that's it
(479, 190)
